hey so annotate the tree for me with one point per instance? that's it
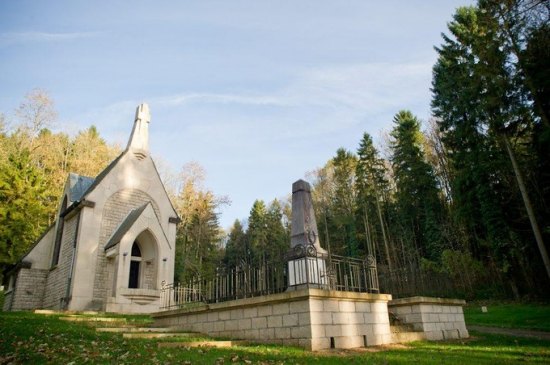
(235, 250)
(419, 204)
(198, 235)
(22, 210)
(35, 113)
(278, 237)
(344, 202)
(89, 153)
(372, 187)
(482, 101)
(256, 233)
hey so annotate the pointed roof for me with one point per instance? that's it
(139, 139)
(126, 224)
(138, 144)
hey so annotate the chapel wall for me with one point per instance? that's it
(116, 208)
(29, 293)
(58, 277)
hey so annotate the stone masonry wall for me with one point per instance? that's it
(115, 210)
(148, 275)
(348, 322)
(58, 278)
(29, 292)
(439, 319)
(7, 300)
(313, 319)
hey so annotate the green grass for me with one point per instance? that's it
(37, 339)
(509, 315)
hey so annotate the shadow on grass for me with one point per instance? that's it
(30, 338)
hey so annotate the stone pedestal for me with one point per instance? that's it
(308, 272)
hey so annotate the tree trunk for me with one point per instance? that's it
(528, 206)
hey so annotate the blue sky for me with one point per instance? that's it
(257, 92)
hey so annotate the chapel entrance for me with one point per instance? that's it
(143, 262)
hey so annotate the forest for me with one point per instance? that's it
(457, 205)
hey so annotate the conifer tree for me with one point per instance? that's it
(372, 187)
(419, 204)
(23, 213)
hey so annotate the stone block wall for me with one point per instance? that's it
(58, 277)
(311, 318)
(348, 321)
(7, 300)
(29, 292)
(438, 318)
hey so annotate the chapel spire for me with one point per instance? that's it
(139, 140)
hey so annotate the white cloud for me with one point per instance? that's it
(212, 98)
(362, 87)
(319, 101)
(39, 37)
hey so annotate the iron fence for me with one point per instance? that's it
(303, 267)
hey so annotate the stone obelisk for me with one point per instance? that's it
(304, 225)
(306, 258)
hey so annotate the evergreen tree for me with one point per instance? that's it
(23, 213)
(419, 203)
(256, 233)
(482, 102)
(277, 236)
(344, 203)
(372, 188)
(235, 250)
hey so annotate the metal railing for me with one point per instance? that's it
(303, 267)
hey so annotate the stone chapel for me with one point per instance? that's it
(112, 245)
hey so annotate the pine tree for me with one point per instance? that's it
(372, 187)
(419, 203)
(23, 213)
(235, 250)
(482, 101)
(257, 233)
(277, 237)
(344, 203)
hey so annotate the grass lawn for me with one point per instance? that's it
(37, 339)
(529, 316)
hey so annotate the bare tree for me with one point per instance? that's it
(35, 113)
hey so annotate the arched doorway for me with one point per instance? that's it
(143, 262)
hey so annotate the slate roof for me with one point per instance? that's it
(78, 185)
(125, 226)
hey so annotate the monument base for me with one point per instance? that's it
(308, 272)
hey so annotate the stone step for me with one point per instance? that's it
(212, 343)
(149, 335)
(77, 318)
(127, 329)
(402, 337)
(67, 313)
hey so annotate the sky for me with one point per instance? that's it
(259, 93)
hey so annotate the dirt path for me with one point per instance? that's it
(512, 332)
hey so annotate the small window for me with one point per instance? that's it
(136, 252)
(59, 233)
(135, 265)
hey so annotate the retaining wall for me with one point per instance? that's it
(310, 318)
(438, 318)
